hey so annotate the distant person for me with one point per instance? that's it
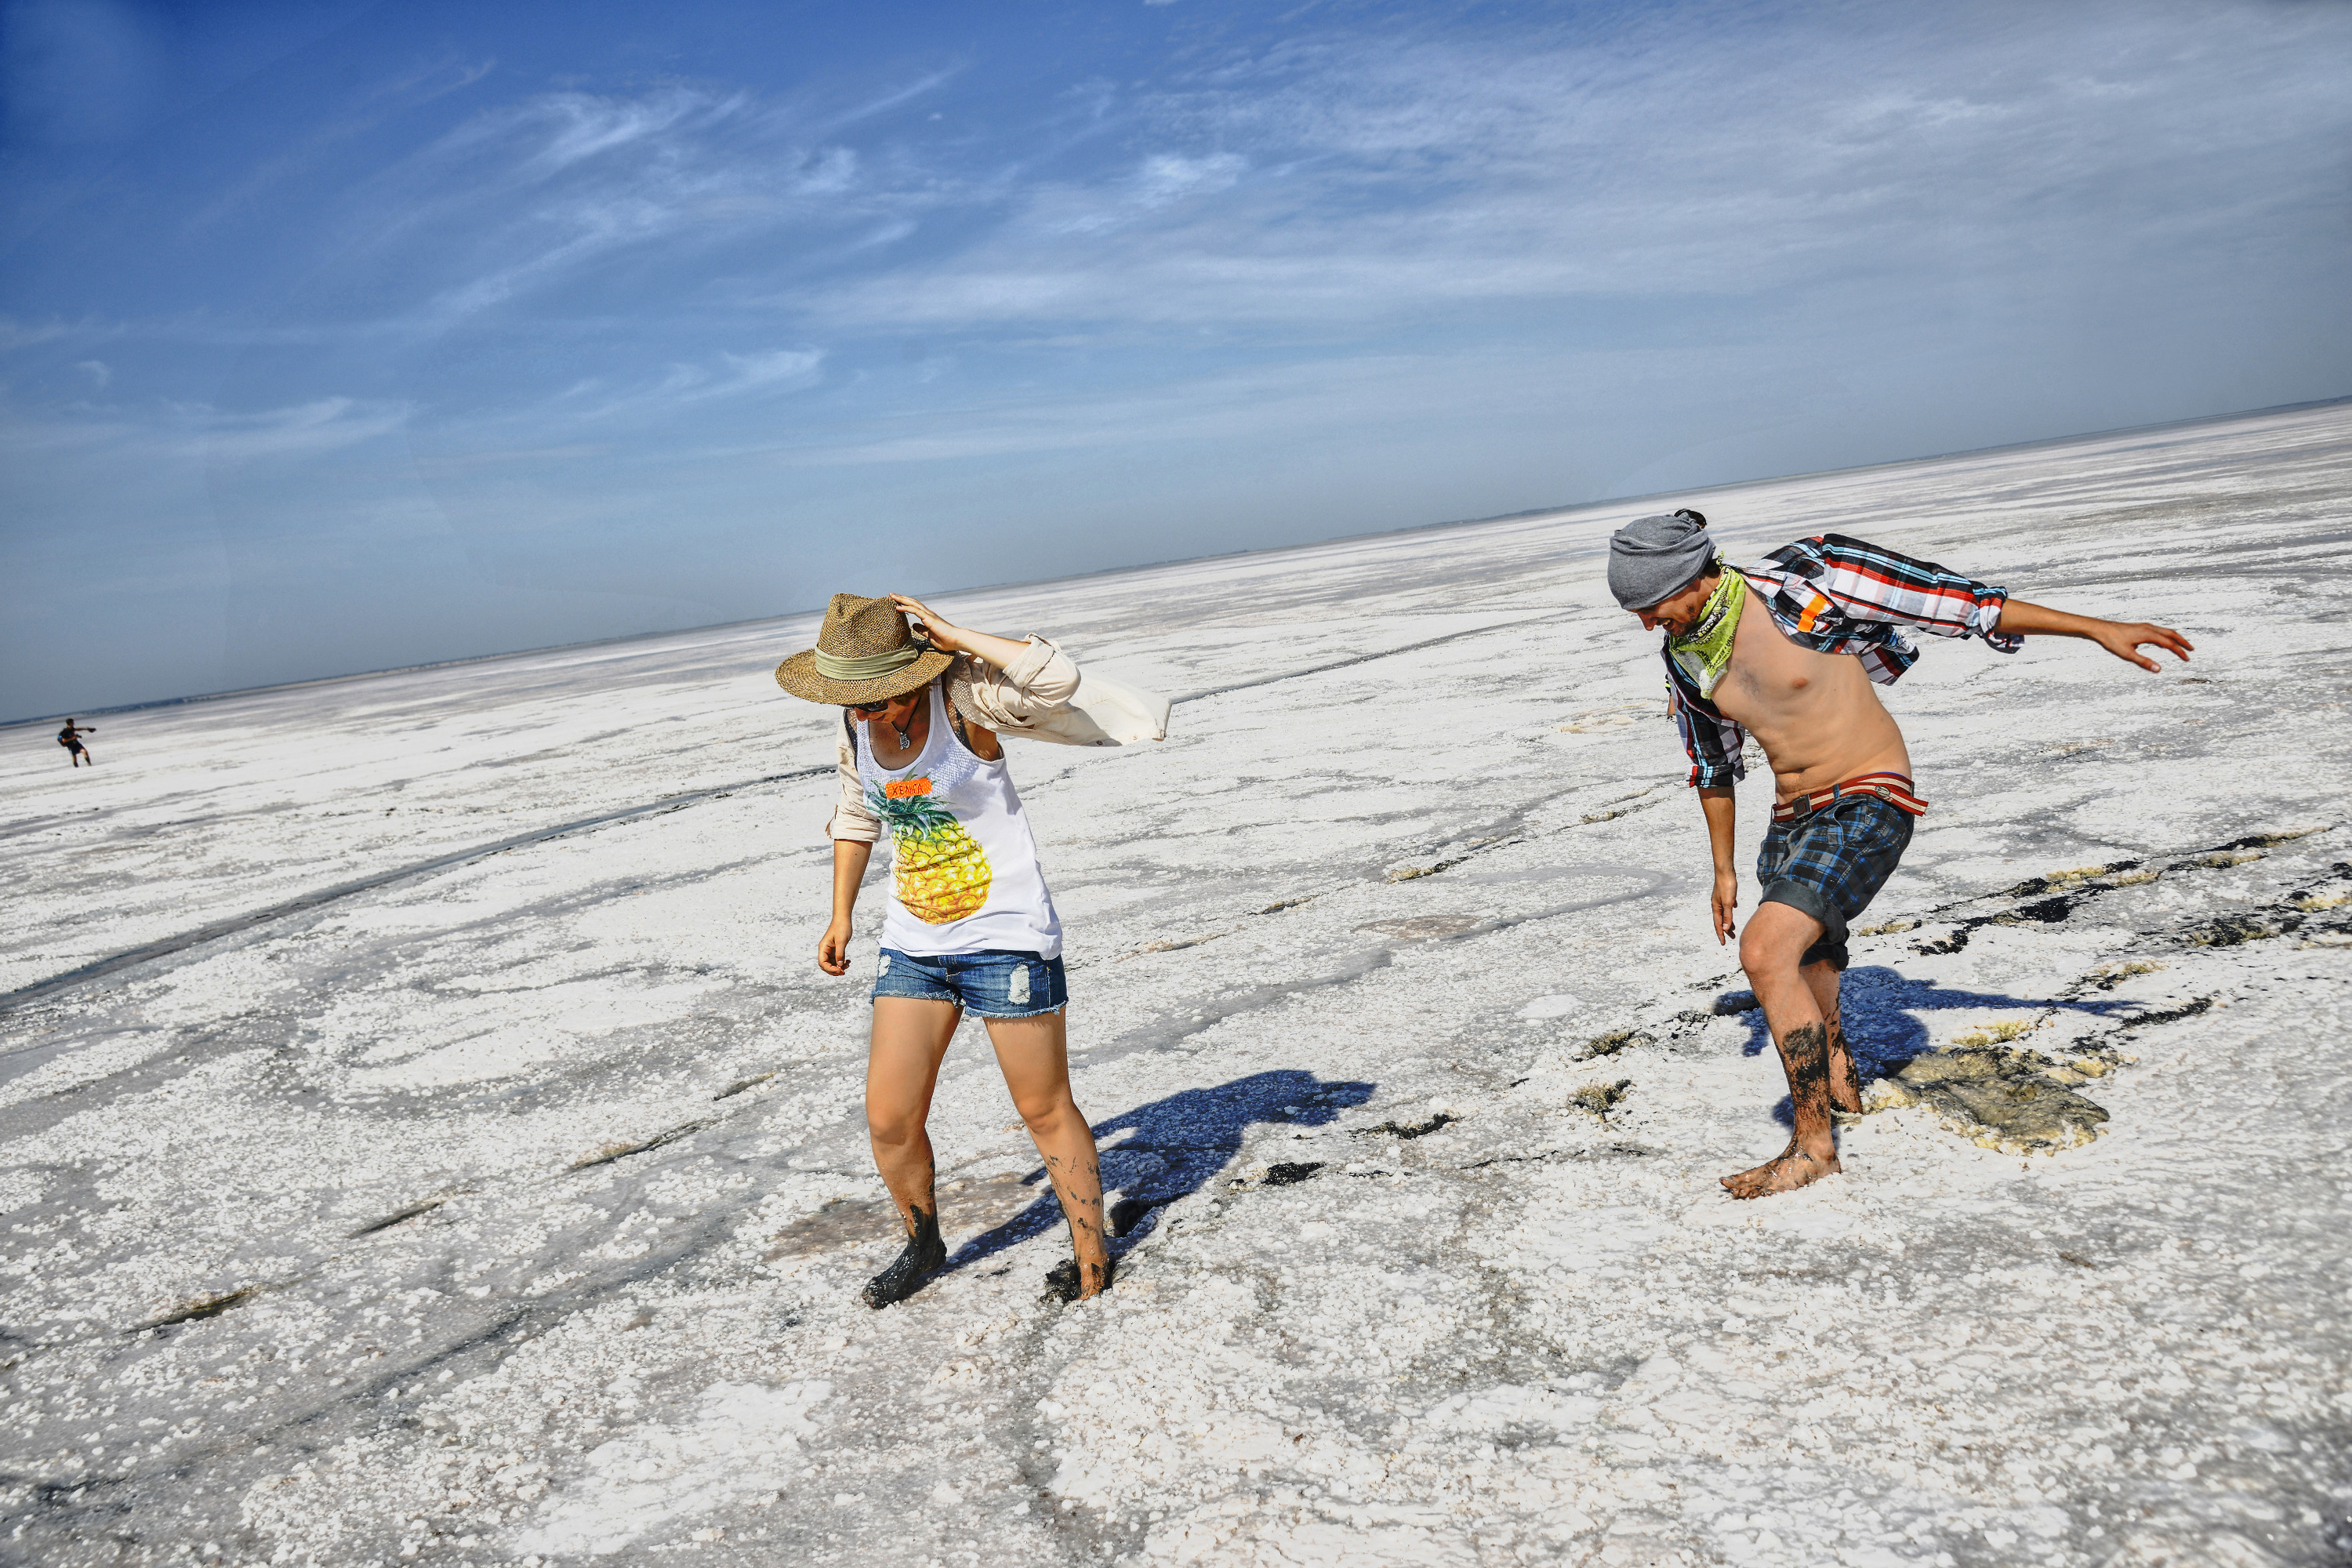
(1786, 651)
(971, 926)
(70, 739)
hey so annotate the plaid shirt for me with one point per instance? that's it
(1835, 595)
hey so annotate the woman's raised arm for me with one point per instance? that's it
(983, 646)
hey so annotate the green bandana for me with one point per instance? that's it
(1705, 652)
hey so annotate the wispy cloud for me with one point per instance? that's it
(173, 432)
(537, 194)
(1388, 174)
(730, 376)
(15, 333)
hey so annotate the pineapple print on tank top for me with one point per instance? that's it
(941, 872)
(964, 875)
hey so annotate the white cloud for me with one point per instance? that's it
(1388, 175)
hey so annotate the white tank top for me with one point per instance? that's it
(964, 873)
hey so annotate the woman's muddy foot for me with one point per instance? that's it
(1063, 1282)
(924, 1254)
(1793, 1169)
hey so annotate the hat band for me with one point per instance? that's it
(867, 666)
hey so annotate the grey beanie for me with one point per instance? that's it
(1654, 558)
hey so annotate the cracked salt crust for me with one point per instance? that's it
(1530, 1334)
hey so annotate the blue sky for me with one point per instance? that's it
(335, 337)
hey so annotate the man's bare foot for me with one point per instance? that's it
(1792, 1169)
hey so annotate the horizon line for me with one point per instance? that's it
(226, 695)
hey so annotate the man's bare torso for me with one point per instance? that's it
(1815, 714)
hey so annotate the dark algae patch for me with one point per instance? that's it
(1601, 1098)
(1616, 1040)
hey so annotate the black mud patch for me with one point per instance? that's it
(203, 1306)
(2172, 1015)
(2042, 911)
(1062, 1281)
(1128, 1213)
(611, 1152)
(2072, 889)
(1290, 1174)
(2233, 930)
(1399, 1130)
(2265, 840)
(2070, 880)
(397, 1216)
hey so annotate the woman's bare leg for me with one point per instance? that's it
(902, 1068)
(1035, 1054)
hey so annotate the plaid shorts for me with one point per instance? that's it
(1831, 863)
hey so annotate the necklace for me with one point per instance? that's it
(906, 742)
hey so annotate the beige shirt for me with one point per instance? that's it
(1040, 695)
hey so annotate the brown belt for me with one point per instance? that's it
(1894, 789)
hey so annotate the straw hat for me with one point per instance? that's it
(864, 652)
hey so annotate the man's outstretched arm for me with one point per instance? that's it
(2122, 638)
(1719, 805)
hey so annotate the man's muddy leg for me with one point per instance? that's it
(1777, 937)
(1845, 1084)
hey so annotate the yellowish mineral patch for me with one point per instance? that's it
(2014, 1102)
(1996, 1034)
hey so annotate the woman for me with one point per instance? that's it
(971, 926)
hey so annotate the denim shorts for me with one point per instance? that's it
(1831, 863)
(987, 985)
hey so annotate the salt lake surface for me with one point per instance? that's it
(425, 1136)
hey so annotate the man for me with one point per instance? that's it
(1787, 652)
(70, 739)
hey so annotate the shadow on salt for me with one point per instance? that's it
(1171, 1148)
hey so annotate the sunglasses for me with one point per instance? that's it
(874, 707)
